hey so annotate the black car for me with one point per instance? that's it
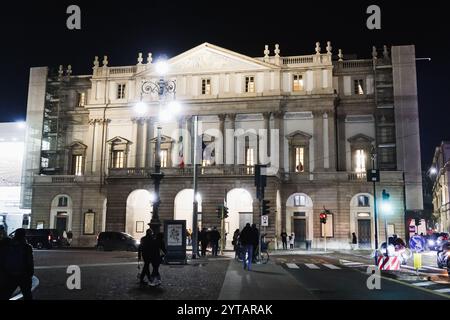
(435, 240)
(43, 238)
(111, 240)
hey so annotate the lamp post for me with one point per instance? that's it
(373, 156)
(163, 88)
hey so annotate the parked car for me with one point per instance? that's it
(109, 241)
(443, 256)
(43, 238)
(435, 240)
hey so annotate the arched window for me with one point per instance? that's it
(63, 201)
(363, 201)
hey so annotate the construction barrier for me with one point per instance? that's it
(388, 263)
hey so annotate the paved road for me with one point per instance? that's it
(112, 275)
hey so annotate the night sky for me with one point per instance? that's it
(34, 33)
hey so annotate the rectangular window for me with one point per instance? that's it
(299, 159)
(363, 215)
(40, 225)
(62, 201)
(300, 201)
(77, 165)
(206, 86)
(164, 158)
(82, 99)
(297, 82)
(327, 228)
(44, 162)
(390, 229)
(358, 86)
(250, 84)
(249, 157)
(121, 91)
(118, 159)
(363, 201)
(360, 161)
(140, 226)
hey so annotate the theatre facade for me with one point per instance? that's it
(317, 120)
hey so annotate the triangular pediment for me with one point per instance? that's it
(164, 139)
(77, 145)
(360, 138)
(118, 140)
(298, 135)
(207, 58)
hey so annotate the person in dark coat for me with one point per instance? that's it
(246, 239)
(235, 241)
(215, 237)
(204, 241)
(16, 266)
(255, 241)
(284, 239)
(151, 249)
(354, 240)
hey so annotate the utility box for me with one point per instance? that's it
(175, 240)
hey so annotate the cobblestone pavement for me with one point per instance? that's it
(112, 275)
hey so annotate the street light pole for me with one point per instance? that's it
(373, 156)
(195, 202)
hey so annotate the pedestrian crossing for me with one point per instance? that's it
(312, 266)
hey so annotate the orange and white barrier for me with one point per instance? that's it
(388, 263)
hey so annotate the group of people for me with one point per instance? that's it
(16, 265)
(248, 240)
(152, 250)
(209, 238)
(284, 240)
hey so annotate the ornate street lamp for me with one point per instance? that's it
(163, 88)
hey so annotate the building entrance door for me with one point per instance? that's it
(364, 234)
(61, 222)
(299, 231)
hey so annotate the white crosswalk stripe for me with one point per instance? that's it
(292, 266)
(331, 266)
(312, 266)
(423, 284)
(446, 290)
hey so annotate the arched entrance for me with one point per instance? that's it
(361, 220)
(184, 206)
(138, 213)
(299, 218)
(240, 211)
(61, 213)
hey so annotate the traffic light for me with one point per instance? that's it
(260, 180)
(265, 207)
(323, 217)
(385, 195)
(386, 204)
(225, 212)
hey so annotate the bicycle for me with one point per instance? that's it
(265, 257)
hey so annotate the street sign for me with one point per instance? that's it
(373, 175)
(264, 221)
(417, 243)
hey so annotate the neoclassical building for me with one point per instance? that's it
(315, 119)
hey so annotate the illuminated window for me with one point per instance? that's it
(44, 162)
(82, 99)
(249, 157)
(118, 159)
(300, 201)
(121, 91)
(77, 165)
(360, 161)
(298, 82)
(250, 84)
(206, 86)
(359, 86)
(299, 159)
(164, 158)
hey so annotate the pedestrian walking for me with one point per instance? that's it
(292, 240)
(69, 237)
(284, 239)
(215, 237)
(354, 241)
(255, 241)
(204, 241)
(151, 250)
(16, 266)
(246, 241)
(235, 241)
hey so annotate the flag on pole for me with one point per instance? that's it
(180, 152)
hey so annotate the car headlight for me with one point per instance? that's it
(431, 242)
